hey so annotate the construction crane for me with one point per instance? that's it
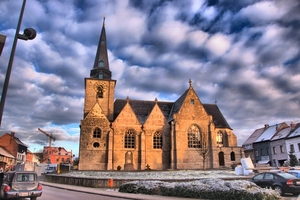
(51, 137)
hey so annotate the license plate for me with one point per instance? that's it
(23, 194)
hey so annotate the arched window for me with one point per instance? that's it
(194, 137)
(232, 156)
(97, 133)
(99, 92)
(220, 138)
(157, 140)
(129, 141)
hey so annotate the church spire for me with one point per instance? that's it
(101, 66)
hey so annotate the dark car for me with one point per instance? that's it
(21, 184)
(281, 181)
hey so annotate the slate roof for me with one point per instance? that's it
(269, 132)
(281, 134)
(5, 152)
(295, 132)
(253, 137)
(143, 108)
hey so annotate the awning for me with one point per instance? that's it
(263, 162)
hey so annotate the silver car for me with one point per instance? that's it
(21, 184)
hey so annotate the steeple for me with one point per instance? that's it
(101, 65)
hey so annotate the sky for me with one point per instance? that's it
(242, 55)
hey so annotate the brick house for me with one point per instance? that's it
(6, 159)
(132, 134)
(55, 155)
(15, 147)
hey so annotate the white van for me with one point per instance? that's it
(52, 168)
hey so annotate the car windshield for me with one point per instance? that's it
(25, 177)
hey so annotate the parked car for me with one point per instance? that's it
(281, 181)
(295, 173)
(21, 184)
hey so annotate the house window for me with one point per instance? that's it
(281, 149)
(267, 150)
(129, 141)
(97, 133)
(194, 137)
(292, 150)
(192, 101)
(274, 150)
(96, 144)
(101, 63)
(261, 152)
(100, 76)
(157, 140)
(298, 146)
(256, 153)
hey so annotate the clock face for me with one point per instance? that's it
(100, 86)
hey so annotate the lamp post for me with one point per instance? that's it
(29, 34)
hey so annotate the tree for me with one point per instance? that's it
(204, 149)
(293, 160)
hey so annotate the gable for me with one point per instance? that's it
(95, 112)
(126, 116)
(156, 117)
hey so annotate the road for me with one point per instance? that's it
(50, 193)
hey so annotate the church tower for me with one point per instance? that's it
(95, 145)
(99, 88)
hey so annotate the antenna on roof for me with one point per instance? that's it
(216, 101)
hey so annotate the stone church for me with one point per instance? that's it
(126, 134)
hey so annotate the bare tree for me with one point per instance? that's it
(204, 148)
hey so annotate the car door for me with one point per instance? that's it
(258, 179)
(268, 180)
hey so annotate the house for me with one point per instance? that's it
(248, 144)
(6, 159)
(262, 145)
(135, 134)
(278, 147)
(57, 155)
(15, 147)
(293, 141)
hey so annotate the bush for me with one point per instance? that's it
(202, 189)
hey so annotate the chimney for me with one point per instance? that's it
(12, 135)
(266, 126)
(292, 126)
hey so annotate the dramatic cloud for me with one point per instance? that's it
(243, 55)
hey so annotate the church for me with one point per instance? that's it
(127, 134)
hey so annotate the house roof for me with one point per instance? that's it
(269, 132)
(281, 134)
(253, 137)
(5, 153)
(295, 132)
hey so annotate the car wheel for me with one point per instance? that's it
(278, 189)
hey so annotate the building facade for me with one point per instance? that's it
(137, 134)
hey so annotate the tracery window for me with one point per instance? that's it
(97, 133)
(194, 137)
(220, 138)
(157, 140)
(129, 141)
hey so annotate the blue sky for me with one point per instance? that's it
(244, 55)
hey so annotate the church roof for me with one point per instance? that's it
(143, 108)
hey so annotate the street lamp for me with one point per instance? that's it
(29, 34)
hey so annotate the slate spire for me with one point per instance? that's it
(101, 66)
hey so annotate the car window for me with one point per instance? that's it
(269, 176)
(25, 177)
(258, 177)
(286, 175)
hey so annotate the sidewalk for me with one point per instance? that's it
(113, 192)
